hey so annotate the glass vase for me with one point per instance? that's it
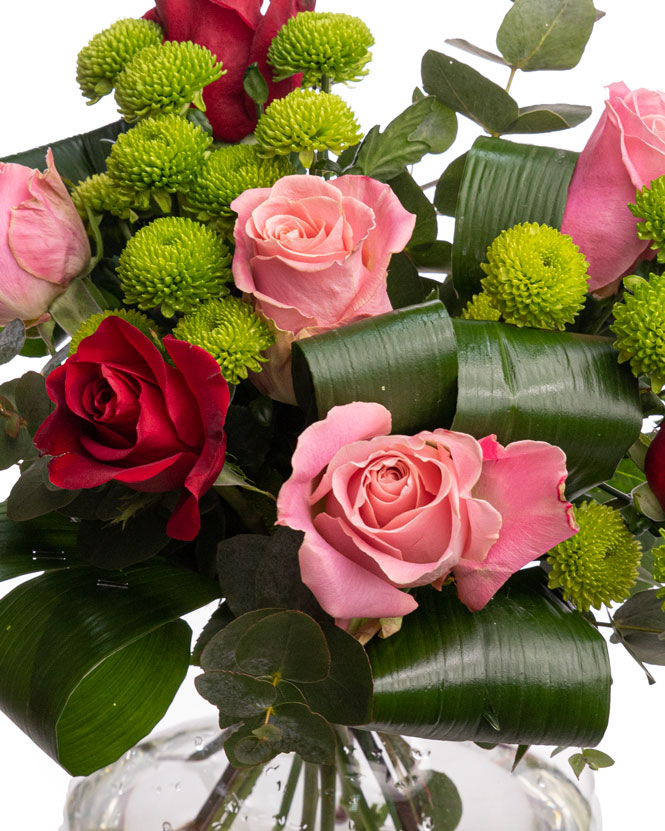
(180, 780)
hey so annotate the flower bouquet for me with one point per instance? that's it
(410, 471)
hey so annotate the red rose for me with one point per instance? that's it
(239, 35)
(123, 413)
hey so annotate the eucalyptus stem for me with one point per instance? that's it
(328, 777)
(353, 799)
(310, 797)
(245, 785)
(289, 792)
(400, 754)
(513, 70)
(217, 798)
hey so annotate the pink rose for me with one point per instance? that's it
(314, 255)
(382, 513)
(43, 244)
(625, 152)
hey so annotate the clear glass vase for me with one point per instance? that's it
(181, 781)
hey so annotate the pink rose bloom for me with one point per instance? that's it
(43, 244)
(382, 513)
(314, 255)
(625, 152)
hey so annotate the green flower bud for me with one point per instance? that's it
(650, 207)
(159, 156)
(304, 121)
(165, 79)
(599, 564)
(480, 308)
(138, 320)
(233, 334)
(106, 55)
(101, 195)
(226, 173)
(321, 44)
(639, 326)
(174, 263)
(536, 276)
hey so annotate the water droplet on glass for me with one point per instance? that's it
(198, 741)
(166, 826)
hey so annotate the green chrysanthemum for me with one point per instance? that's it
(231, 332)
(174, 263)
(480, 308)
(106, 55)
(650, 207)
(639, 326)
(160, 156)
(103, 195)
(226, 173)
(321, 44)
(304, 121)
(165, 79)
(599, 564)
(138, 320)
(536, 276)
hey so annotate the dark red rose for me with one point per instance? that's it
(654, 466)
(123, 413)
(239, 35)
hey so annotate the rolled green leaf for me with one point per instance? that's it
(42, 544)
(91, 661)
(560, 387)
(404, 359)
(533, 183)
(526, 669)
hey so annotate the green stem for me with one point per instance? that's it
(353, 799)
(397, 808)
(244, 785)
(79, 302)
(513, 70)
(615, 492)
(310, 797)
(216, 799)
(289, 791)
(401, 755)
(328, 776)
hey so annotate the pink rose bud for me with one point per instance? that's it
(625, 152)
(654, 467)
(43, 244)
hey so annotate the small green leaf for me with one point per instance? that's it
(435, 256)
(270, 732)
(646, 501)
(12, 338)
(255, 85)
(30, 497)
(32, 402)
(244, 748)
(438, 800)
(641, 623)
(448, 186)
(287, 644)
(545, 34)
(520, 753)
(596, 758)
(548, 118)
(405, 285)
(577, 763)
(305, 732)
(466, 91)
(411, 195)
(220, 651)
(235, 693)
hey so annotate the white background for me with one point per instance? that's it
(40, 102)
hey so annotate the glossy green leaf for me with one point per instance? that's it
(80, 648)
(641, 624)
(405, 285)
(558, 387)
(533, 183)
(448, 186)
(548, 118)
(435, 256)
(466, 91)
(367, 361)
(427, 126)
(411, 195)
(287, 644)
(525, 669)
(545, 34)
(42, 544)
(76, 157)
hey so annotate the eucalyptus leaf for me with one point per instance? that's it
(472, 49)
(220, 651)
(439, 801)
(427, 126)
(448, 186)
(525, 669)
(647, 502)
(236, 693)
(12, 338)
(305, 732)
(30, 497)
(548, 118)
(113, 545)
(79, 650)
(32, 401)
(545, 34)
(466, 91)
(641, 622)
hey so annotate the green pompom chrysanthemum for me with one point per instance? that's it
(174, 263)
(650, 207)
(101, 194)
(226, 173)
(106, 55)
(160, 156)
(480, 308)
(165, 79)
(321, 44)
(233, 334)
(536, 276)
(599, 564)
(304, 121)
(138, 320)
(639, 326)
